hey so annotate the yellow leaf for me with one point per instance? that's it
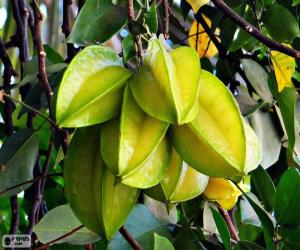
(197, 4)
(200, 40)
(284, 67)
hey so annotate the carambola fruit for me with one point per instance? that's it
(97, 200)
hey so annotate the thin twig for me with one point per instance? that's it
(166, 18)
(37, 39)
(253, 31)
(231, 227)
(66, 28)
(29, 181)
(59, 238)
(9, 130)
(28, 107)
(132, 242)
(137, 38)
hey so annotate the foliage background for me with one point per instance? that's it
(243, 63)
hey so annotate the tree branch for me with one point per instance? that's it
(253, 31)
(231, 227)
(132, 242)
(137, 38)
(9, 130)
(166, 18)
(58, 238)
(66, 29)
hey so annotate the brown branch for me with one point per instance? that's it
(28, 182)
(66, 28)
(253, 31)
(9, 130)
(132, 242)
(230, 224)
(166, 18)
(59, 238)
(137, 38)
(37, 40)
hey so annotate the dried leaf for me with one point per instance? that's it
(197, 4)
(284, 67)
(200, 40)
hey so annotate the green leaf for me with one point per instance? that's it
(141, 224)
(247, 245)
(280, 23)
(296, 2)
(60, 221)
(267, 133)
(258, 78)
(161, 211)
(264, 187)
(162, 243)
(266, 221)
(97, 22)
(151, 18)
(166, 87)
(290, 237)
(128, 48)
(91, 88)
(286, 100)
(17, 159)
(222, 228)
(288, 198)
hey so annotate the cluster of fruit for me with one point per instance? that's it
(166, 129)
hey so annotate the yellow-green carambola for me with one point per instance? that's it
(217, 142)
(166, 87)
(134, 146)
(91, 89)
(97, 200)
(181, 182)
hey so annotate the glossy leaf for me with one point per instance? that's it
(91, 27)
(222, 229)
(200, 40)
(151, 18)
(264, 187)
(166, 87)
(284, 67)
(91, 188)
(266, 221)
(60, 221)
(213, 143)
(128, 48)
(17, 159)
(286, 100)
(247, 245)
(268, 136)
(143, 155)
(180, 183)
(162, 212)
(162, 243)
(258, 78)
(141, 224)
(290, 237)
(288, 198)
(91, 88)
(282, 29)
